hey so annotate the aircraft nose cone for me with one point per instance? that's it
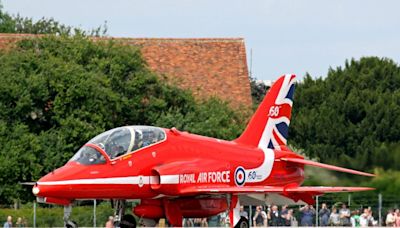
(35, 190)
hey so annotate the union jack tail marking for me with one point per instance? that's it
(269, 126)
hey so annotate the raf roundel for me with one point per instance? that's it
(240, 176)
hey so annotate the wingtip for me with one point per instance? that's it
(366, 189)
(27, 183)
(366, 174)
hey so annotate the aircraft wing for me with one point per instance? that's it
(299, 194)
(326, 166)
(316, 190)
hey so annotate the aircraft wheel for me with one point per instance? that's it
(128, 221)
(243, 223)
(147, 222)
(71, 224)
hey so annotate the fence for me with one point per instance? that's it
(380, 204)
(86, 213)
(95, 213)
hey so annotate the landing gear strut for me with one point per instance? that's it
(234, 213)
(120, 219)
(67, 213)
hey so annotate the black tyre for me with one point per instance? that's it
(71, 224)
(243, 223)
(128, 221)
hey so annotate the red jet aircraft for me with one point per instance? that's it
(180, 175)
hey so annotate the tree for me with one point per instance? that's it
(351, 117)
(7, 23)
(258, 91)
(211, 117)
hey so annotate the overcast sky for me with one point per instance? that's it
(284, 36)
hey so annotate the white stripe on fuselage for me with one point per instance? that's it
(169, 179)
(165, 179)
(111, 180)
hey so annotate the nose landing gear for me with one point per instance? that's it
(67, 213)
(121, 219)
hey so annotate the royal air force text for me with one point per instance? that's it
(205, 177)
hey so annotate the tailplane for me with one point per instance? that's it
(326, 166)
(268, 128)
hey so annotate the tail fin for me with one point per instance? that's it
(268, 128)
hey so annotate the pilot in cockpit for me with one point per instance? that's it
(138, 140)
(117, 150)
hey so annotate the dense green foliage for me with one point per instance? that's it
(204, 118)
(58, 92)
(351, 117)
(7, 24)
(386, 183)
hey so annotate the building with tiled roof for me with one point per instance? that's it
(208, 66)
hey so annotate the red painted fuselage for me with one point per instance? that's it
(179, 161)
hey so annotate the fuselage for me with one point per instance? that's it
(179, 160)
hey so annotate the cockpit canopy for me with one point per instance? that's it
(119, 141)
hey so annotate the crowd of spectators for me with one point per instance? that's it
(21, 222)
(334, 216)
(338, 216)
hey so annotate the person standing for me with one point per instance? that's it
(308, 213)
(371, 219)
(243, 213)
(260, 217)
(19, 222)
(334, 219)
(344, 215)
(324, 214)
(290, 220)
(390, 218)
(110, 222)
(214, 221)
(284, 211)
(397, 218)
(355, 218)
(274, 216)
(197, 222)
(8, 223)
(364, 218)
(188, 222)
(204, 222)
